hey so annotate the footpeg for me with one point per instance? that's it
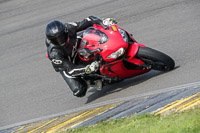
(95, 84)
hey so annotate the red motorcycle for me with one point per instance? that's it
(119, 54)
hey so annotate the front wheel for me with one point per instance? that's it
(155, 59)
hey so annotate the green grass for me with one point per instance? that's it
(184, 122)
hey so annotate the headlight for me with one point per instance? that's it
(117, 54)
(124, 35)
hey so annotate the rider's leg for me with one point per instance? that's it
(76, 84)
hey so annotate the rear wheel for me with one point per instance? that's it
(155, 59)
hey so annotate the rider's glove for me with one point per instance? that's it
(93, 67)
(109, 21)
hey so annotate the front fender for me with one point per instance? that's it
(132, 51)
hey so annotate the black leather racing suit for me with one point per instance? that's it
(64, 58)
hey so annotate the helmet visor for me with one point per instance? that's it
(60, 40)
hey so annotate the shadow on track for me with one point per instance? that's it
(117, 87)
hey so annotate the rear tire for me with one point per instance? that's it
(156, 59)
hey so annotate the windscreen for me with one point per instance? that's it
(95, 35)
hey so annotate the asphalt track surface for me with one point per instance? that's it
(29, 87)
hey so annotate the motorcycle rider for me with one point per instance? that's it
(62, 43)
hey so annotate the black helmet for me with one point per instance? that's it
(56, 33)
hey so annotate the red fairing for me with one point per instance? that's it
(115, 42)
(111, 41)
(118, 69)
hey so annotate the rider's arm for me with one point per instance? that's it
(61, 64)
(85, 23)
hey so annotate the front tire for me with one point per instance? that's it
(156, 59)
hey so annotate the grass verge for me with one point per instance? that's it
(182, 122)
